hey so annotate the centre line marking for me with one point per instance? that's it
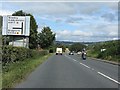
(84, 65)
(109, 77)
(73, 59)
(77, 61)
(97, 72)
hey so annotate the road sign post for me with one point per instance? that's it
(18, 28)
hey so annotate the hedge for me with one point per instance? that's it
(13, 54)
(112, 51)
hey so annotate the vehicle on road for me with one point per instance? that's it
(71, 53)
(83, 55)
(78, 53)
(58, 51)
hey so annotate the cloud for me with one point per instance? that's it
(73, 19)
(108, 16)
(75, 35)
(79, 21)
(48, 8)
(89, 9)
(81, 33)
(105, 32)
(56, 8)
(5, 12)
(113, 5)
(95, 33)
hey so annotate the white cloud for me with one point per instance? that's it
(75, 35)
(113, 5)
(49, 8)
(85, 16)
(115, 38)
(81, 33)
(95, 33)
(5, 12)
(63, 7)
(112, 30)
(90, 8)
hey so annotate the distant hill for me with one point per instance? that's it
(70, 43)
(85, 43)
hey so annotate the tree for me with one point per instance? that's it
(76, 47)
(1, 23)
(0, 29)
(33, 28)
(46, 37)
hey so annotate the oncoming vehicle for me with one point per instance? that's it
(58, 51)
(78, 53)
(71, 53)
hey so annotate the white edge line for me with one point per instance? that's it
(108, 77)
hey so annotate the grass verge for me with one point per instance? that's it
(96, 55)
(16, 72)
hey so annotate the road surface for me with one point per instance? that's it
(70, 71)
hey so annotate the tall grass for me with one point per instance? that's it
(16, 72)
(112, 52)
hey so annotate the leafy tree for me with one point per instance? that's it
(46, 38)
(76, 47)
(112, 51)
(0, 29)
(33, 28)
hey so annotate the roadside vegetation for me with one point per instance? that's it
(0, 52)
(111, 50)
(77, 47)
(18, 62)
(12, 54)
(14, 73)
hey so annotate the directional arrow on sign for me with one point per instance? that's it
(19, 28)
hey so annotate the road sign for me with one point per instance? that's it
(16, 25)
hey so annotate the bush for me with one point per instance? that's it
(112, 50)
(13, 54)
(51, 51)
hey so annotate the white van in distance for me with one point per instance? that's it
(58, 51)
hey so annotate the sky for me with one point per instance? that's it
(77, 21)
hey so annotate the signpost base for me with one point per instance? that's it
(19, 41)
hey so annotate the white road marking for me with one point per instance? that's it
(97, 72)
(84, 65)
(77, 61)
(109, 77)
(73, 59)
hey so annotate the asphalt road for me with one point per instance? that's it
(70, 71)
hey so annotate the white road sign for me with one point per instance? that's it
(16, 25)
